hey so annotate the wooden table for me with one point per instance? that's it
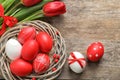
(87, 21)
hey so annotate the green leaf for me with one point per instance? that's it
(27, 11)
(35, 15)
(7, 3)
(1, 1)
(13, 7)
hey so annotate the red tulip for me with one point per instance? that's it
(54, 8)
(30, 2)
(95, 51)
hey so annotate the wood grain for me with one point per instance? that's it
(87, 21)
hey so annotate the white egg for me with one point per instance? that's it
(77, 62)
(13, 49)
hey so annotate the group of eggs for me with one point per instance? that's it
(29, 52)
(77, 61)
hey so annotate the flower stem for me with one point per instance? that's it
(15, 12)
(14, 8)
(34, 16)
(27, 11)
(7, 3)
(1, 1)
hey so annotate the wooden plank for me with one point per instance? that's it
(87, 21)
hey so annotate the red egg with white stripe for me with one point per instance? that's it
(41, 63)
(77, 62)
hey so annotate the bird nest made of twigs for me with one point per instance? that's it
(58, 48)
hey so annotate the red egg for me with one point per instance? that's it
(45, 42)
(41, 63)
(30, 50)
(26, 34)
(20, 67)
(95, 51)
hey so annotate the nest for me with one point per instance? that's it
(58, 48)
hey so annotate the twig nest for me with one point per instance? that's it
(56, 47)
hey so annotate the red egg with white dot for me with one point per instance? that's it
(77, 62)
(95, 51)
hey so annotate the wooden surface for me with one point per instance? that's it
(87, 21)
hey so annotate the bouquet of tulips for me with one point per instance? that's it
(14, 11)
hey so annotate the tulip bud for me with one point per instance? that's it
(30, 2)
(54, 8)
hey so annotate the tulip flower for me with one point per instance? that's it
(13, 11)
(54, 8)
(29, 3)
(16, 12)
(49, 9)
